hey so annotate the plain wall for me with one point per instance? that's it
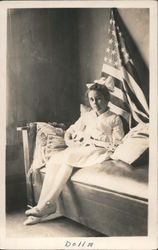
(42, 71)
(42, 66)
(42, 77)
(51, 55)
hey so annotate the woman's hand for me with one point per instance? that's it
(101, 144)
(71, 142)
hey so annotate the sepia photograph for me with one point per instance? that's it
(79, 125)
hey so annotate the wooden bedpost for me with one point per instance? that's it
(27, 161)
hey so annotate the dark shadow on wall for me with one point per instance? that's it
(42, 79)
(42, 67)
(142, 70)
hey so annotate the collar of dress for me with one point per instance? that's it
(106, 113)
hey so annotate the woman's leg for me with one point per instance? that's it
(54, 182)
(50, 175)
(46, 204)
(62, 175)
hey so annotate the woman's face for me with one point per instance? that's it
(97, 101)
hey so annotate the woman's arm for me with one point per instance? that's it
(117, 132)
(117, 136)
(69, 140)
(73, 135)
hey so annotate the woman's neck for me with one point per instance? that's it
(99, 112)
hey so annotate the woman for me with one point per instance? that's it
(90, 140)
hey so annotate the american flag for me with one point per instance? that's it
(127, 98)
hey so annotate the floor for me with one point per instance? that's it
(58, 227)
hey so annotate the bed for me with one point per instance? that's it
(111, 198)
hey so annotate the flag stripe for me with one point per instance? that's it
(134, 98)
(112, 71)
(136, 89)
(119, 111)
(118, 102)
(109, 69)
(118, 83)
(142, 118)
(134, 108)
(120, 94)
(136, 118)
(131, 69)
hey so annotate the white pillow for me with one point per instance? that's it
(49, 139)
(134, 144)
(84, 109)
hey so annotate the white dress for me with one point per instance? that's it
(106, 129)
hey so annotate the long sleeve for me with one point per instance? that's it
(74, 132)
(79, 125)
(118, 132)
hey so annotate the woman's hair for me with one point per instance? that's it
(102, 89)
